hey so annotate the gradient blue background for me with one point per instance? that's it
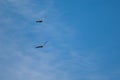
(83, 40)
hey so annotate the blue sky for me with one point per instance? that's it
(83, 40)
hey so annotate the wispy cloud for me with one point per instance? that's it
(30, 8)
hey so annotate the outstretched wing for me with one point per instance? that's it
(45, 43)
(41, 46)
(41, 20)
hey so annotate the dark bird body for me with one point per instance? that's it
(41, 46)
(40, 21)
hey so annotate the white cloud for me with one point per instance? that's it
(30, 8)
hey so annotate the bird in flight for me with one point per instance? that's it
(40, 20)
(41, 46)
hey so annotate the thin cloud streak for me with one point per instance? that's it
(31, 9)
